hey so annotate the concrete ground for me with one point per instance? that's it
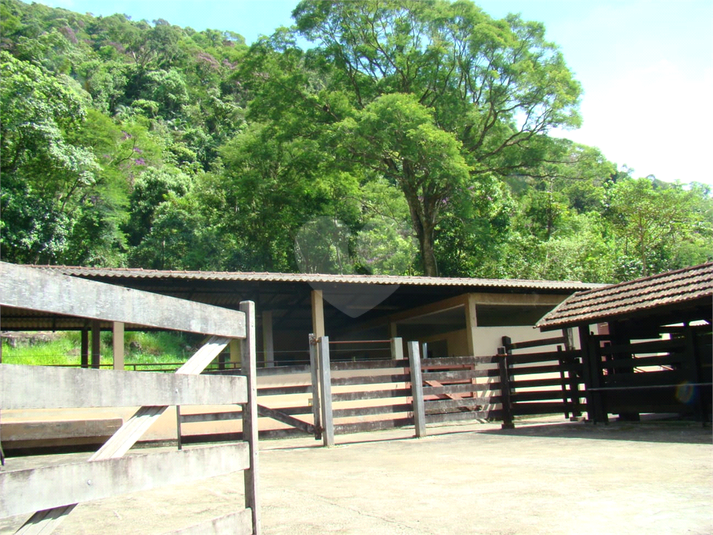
(546, 476)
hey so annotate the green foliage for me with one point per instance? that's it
(418, 129)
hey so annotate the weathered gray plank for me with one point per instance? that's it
(204, 356)
(371, 411)
(37, 289)
(250, 414)
(210, 417)
(27, 491)
(45, 522)
(237, 523)
(419, 413)
(285, 419)
(325, 389)
(39, 387)
(314, 376)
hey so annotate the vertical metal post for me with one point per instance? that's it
(325, 388)
(85, 348)
(314, 371)
(250, 416)
(419, 410)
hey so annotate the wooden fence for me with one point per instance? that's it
(52, 492)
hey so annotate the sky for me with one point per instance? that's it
(646, 67)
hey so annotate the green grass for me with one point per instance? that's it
(64, 349)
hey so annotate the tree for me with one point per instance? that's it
(492, 88)
(654, 221)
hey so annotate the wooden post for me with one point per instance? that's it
(236, 354)
(178, 427)
(268, 345)
(505, 391)
(117, 340)
(85, 348)
(419, 410)
(250, 416)
(317, 314)
(397, 348)
(471, 324)
(591, 365)
(325, 389)
(96, 344)
(314, 370)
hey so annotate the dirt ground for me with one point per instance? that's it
(546, 476)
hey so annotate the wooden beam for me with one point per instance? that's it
(117, 341)
(419, 412)
(471, 324)
(268, 345)
(317, 314)
(250, 413)
(96, 344)
(41, 290)
(516, 299)
(27, 491)
(85, 348)
(325, 389)
(41, 387)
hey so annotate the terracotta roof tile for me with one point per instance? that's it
(660, 290)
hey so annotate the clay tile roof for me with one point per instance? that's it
(663, 290)
(137, 273)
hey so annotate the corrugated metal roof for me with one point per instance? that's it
(320, 278)
(665, 289)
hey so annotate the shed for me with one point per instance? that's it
(454, 316)
(646, 344)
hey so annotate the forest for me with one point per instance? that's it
(400, 137)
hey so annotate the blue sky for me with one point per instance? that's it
(646, 66)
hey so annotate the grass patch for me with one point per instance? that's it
(64, 348)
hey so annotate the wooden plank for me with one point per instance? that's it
(85, 388)
(248, 347)
(470, 404)
(204, 356)
(378, 425)
(537, 383)
(237, 523)
(42, 290)
(549, 356)
(544, 395)
(283, 370)
(211, 417)
(372, 394)
(538, 343)
(453, 389)
(655, 346)
(459, 375)
(284, 390)
(455, 361)
(460, 416)
(45, 521)
(285, 419)
(368, 365)
(370, 380)
(325, 389)
(314, 376)
(534, 370)
(371, 411)
(419, 413)
(661, 360)
(27, 491)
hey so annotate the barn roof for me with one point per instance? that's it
(317, 278)
(682, 288)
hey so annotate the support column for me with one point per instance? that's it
(235, 354)
(317, 314)
(397, 348)
(96, 344)
(471, 323)
(267, 339)
(117, 340)
(85, 348)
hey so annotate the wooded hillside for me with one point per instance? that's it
(408, 137)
